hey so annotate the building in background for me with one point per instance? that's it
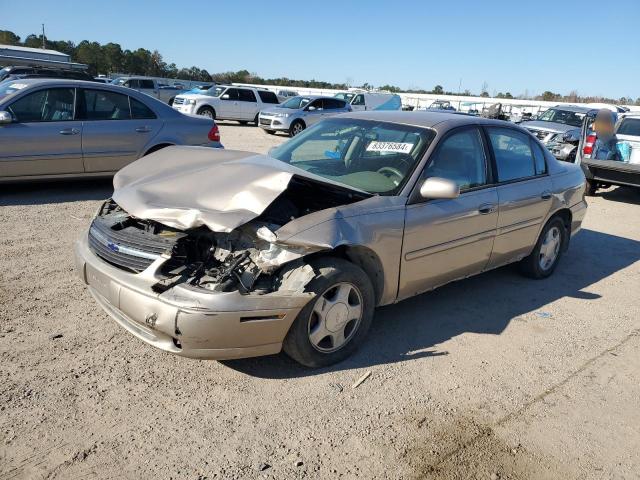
(25, 56)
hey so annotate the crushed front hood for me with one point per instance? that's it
(548, 126)
(186, 187)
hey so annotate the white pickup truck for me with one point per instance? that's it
(619, 171)
(150, 86)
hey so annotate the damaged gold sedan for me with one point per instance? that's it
(228, 254)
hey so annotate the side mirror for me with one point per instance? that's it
(311, 108)
(225, 96)
(5, 117)
(436, 187)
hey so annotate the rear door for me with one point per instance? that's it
(116, 129)
(448, 239)
(248, 103)
(333, 106)
(45, 137)
(524, 193)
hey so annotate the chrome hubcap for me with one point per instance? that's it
(297, 128)
(550, 248)
(206, 113)
(335, 317)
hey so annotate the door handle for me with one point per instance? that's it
(487, 208)
(69, 131)
(143, 129)
(546, 195)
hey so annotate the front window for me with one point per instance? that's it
(54, 105)
(562, 116)
(376, 157)
(345, 96)
(296, 103)
(9, 88)
(630, 126)
(215, 91)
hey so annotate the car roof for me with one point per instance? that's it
(439, 120)
(63, 81)
(573, 108)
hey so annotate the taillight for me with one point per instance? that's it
(589, 143)
(214, 133)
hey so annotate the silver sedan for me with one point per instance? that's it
(224, 254)
(52, 128)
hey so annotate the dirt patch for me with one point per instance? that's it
(461, 448)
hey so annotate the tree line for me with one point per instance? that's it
(111, 58)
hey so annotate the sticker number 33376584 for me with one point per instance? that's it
(390, 147)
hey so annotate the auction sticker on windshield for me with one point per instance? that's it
(390, 147)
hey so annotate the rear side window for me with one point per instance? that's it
(53, 105)
(139, 110)
(268, 97)
(247, 95)
(103, 105)
(630, 126)
(148, 84)
(512, 151)
(332, 103)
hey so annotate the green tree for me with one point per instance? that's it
(438, 90)
(9, 38)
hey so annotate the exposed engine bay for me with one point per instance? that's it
(247, 259)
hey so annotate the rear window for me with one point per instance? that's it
(332, 103)
(630, 126)
(246, 95)
(268, 97)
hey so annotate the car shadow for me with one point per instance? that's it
(484, 304)
(622, 194)
(42, 193)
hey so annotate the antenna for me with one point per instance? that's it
(44, 45)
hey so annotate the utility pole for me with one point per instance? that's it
(44, 45)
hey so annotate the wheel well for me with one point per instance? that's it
(567, 217)
(299, 120)
(368, 261)
(207, 107)
(155, 148)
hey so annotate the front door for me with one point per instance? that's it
(524, 193)
(45, 137)
(114, 133)
(448, 239)
(229, 105)
(314, 112)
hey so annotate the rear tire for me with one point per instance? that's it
(546, 254)
(296, 127)
(256, 120)
(591, 188)
(336, 321)
(207, 112)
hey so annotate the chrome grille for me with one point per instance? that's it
(179, 101)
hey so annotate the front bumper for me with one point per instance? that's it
(185, 320)
(274, 123)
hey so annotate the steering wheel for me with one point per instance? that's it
(392, 170)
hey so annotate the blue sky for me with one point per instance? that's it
(515, 46)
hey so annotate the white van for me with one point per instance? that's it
(371, 101)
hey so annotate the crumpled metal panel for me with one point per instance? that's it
(186, 187)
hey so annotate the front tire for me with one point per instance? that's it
(546, 254)
(336, 321)
(207, 112)
(296, 128)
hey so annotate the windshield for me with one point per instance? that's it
(376, 157)
(296, 103)
(562, 116)
(215, 91)
(9, 88)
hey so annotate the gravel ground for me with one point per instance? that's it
(493, 377)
